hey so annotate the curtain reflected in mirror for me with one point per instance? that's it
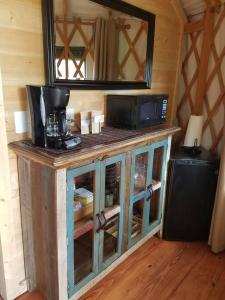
(95, 42)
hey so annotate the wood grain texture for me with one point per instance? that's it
(11, 252)
(60, 198)
(165, 270)
(4, 190)
(39, 227)
(44, 229)
(27, 224)
(87, 154)
(162, 270)
(21, 61)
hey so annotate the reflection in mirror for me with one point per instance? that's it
(95, 42)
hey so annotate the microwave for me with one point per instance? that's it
(136, 111)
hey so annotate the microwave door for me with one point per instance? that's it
(148, 113)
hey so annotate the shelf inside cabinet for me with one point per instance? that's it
(83, 212)
(136, 226)
(156, 184)
(83, 226)
(112, 211)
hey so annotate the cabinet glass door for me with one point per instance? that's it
(83, 186)
(111, 209)
(156, 192)
(140, 179)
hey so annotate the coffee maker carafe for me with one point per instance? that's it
(50, 128)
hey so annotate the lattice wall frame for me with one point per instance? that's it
(214, 97)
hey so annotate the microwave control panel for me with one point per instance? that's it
(164, 108)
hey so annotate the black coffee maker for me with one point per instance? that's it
(50, 128)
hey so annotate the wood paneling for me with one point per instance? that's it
(10, 227)
(39, 226)
(22, 62)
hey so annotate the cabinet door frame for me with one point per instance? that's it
(72, 287)
(108, 161)
(153, 147)
(139, 196)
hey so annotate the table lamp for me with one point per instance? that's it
(193, 135)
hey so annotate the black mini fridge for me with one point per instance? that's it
(191, 189)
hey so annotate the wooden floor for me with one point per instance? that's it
(163, 270)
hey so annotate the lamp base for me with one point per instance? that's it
(192, 151)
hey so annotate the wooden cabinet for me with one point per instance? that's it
(95, 210)
(148, 168)
(85, 211)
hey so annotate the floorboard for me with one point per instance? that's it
(162, 270)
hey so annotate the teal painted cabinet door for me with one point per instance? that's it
(146, 190)
(95, 213)
(158, 154)
(140, 180)
(83, 207)
(112, 209)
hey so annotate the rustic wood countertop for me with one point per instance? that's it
(93, 146)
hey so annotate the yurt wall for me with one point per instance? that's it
(202, 85)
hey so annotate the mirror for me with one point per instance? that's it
(97, 44)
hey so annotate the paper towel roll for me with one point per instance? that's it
(194, 131)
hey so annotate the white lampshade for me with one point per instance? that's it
(194, 131)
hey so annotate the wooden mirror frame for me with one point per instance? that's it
(49, 49)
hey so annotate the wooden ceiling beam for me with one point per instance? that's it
(176, 4)
(213, 5)
(208, 37)
(194, 26)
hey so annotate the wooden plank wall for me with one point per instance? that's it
(11, 248)
(22, 62)
(11, 252)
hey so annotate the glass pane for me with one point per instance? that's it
(112, 184)
(137, 218)
(111, 234)
(83, 225)
(157, 164)
(93, 44)
(141, 166)
(154, 207)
